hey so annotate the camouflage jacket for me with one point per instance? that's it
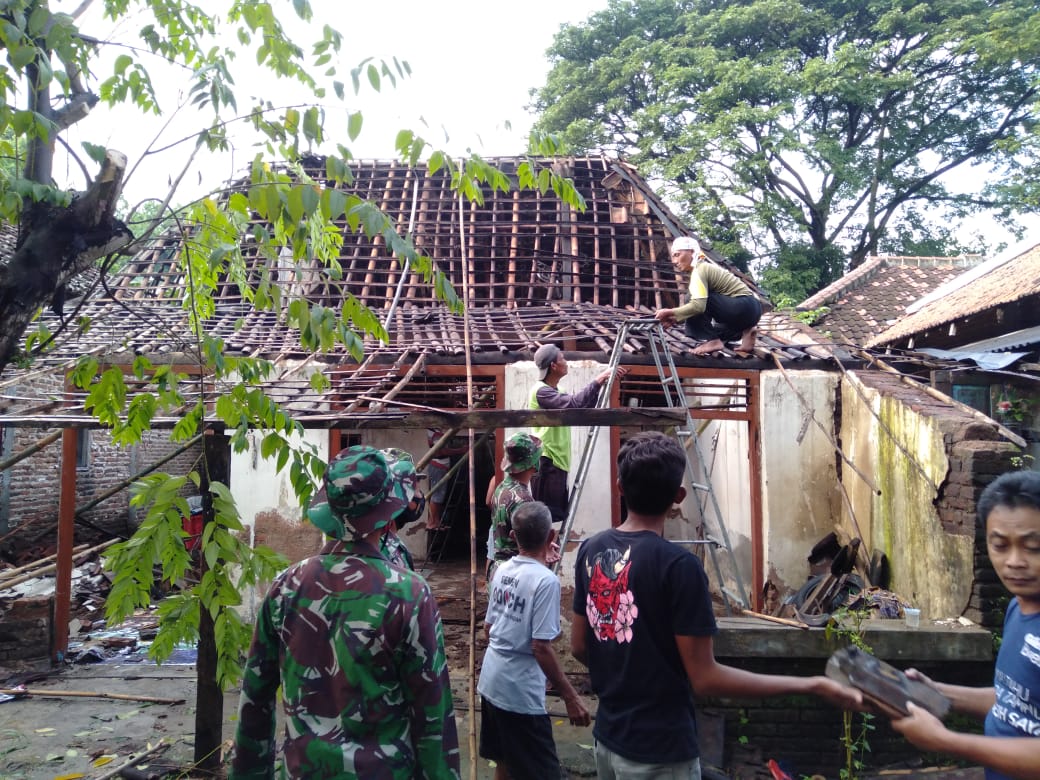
(508, 496)
(357, 646)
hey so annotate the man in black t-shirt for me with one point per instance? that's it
(643, 624)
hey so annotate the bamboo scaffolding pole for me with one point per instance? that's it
(472, 671)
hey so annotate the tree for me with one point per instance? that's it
(63, 230)
(813, 123)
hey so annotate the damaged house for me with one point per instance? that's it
(801, 439)
(781, 428)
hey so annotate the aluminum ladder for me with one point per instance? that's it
(717, 537)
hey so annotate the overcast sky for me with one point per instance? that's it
(473, 63)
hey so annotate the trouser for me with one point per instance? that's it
(549, 486)
(611, 766)
(724, 318)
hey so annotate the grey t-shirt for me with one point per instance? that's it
(524, 604)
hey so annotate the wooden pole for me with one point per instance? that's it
(467, 267)
(31, 575)
(66, 534)
(6, 574)
(774, 619)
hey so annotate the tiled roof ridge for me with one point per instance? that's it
(849, 281)
(950, 302)
(874, 263)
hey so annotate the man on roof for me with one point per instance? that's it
(721, 308)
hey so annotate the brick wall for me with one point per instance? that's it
(804, 734)
(973, 465)
(26, 632)
(31, 487)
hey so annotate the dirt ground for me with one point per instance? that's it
(43, 738)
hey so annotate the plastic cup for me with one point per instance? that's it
(913, 617)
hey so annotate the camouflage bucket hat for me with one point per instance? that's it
(522, 453)
(364, 490)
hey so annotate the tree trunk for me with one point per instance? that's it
(55, 244)
(209, 698)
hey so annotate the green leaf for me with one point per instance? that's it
(354, 123)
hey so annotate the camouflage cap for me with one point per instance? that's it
(364, 490)
(522, 453)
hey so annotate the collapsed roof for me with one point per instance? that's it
(533, 268)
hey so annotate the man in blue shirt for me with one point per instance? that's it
(1008, 748)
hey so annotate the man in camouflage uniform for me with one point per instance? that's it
(391, 545)
(356, 644)
(520, 464)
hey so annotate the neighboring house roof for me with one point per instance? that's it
(993, 299)
(537, 271)
(869, 299)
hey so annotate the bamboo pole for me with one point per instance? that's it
(418, 364)
(472, 671)
(775, 619)
(134, 760)
(5, 584)
(45, 692)
(940, 396)
(8, 573)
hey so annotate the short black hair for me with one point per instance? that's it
(650, 471)
(1014, 489)
(531, 523)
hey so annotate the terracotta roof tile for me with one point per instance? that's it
(869, 299)
(996, 283)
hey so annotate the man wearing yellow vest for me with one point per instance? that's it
(549, 485)
(721, 307)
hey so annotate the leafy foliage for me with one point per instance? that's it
(286, 215)
(804, 122)
(158, 546)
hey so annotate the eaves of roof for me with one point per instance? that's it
(1010, 277)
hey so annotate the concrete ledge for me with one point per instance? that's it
(891, 640)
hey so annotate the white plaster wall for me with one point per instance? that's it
(801, 502)
(723, 444)
(257, 485)
(594, 504)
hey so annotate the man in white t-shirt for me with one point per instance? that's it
(523, 619)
